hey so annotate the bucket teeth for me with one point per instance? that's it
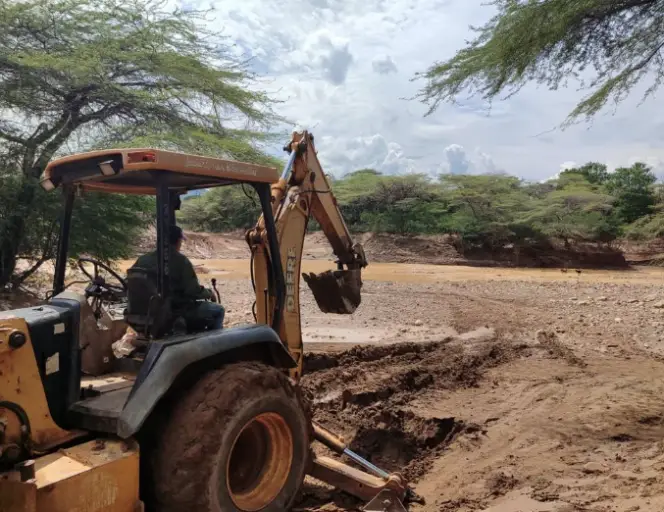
(336, 291)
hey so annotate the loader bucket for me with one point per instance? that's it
(336, 291)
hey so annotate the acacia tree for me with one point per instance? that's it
(633, 189)
(403, 205)
(594, 172)
(115, 70)
(577, 209)
(221, 209)
(484, 209)
(548, 41)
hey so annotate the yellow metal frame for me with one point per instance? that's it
(97, 476)
(307, 193)
(160, 160)
(21, 384)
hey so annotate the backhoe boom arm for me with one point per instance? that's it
(302, 192)
(325, 210)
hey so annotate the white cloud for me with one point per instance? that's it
(384, 65)
(322, 54)
(458, 161)
(343, 68)
(485, 163)
(373, 152)
(568, 165)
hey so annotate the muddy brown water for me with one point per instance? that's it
(416, 273)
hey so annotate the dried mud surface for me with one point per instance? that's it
(370, 396)
(525, 392)
(364, 395)
(497, 425)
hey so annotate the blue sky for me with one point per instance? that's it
(343, 68)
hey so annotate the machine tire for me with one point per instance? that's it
(223, 419)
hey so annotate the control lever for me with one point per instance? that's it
(214, 287)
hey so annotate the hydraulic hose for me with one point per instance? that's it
(23, 420)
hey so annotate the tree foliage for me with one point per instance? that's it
(585, 204)
(221, 209)
(77, 74)
(632, 188)
(576, 210)
(393, 205)
(105, 226)
(646, 228)
(550, 41)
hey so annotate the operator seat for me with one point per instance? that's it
(147, 312)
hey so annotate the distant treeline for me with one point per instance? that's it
(584, 204)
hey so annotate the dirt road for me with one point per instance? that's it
(515, 390)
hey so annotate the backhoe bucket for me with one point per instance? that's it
(336, 291)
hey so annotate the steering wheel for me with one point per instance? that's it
(98, 286)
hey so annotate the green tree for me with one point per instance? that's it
(550, 41)
(577, 210)
(404, 204)
(74, 72)
(648, 227)
(484, 209)
(633, 190)
(594, 172)
(487, 212)
(358, 183)
(103, 225)
(221, 209)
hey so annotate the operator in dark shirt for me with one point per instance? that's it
(184, 286)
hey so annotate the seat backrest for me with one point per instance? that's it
(147, 313)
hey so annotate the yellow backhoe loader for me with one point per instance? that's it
(205, 421)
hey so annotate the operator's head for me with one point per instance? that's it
(176, 237)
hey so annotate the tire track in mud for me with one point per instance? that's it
(365, 394)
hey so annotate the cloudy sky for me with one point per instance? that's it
(344, 70)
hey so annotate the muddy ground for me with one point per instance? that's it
(492, 390)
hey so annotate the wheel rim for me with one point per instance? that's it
(259, 462)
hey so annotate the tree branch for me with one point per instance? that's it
(21, 72)
(146, 85)
(39, 138)
(13, 138)
(103, 113)
(644, 62)
(55, 144)
(19, 279)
